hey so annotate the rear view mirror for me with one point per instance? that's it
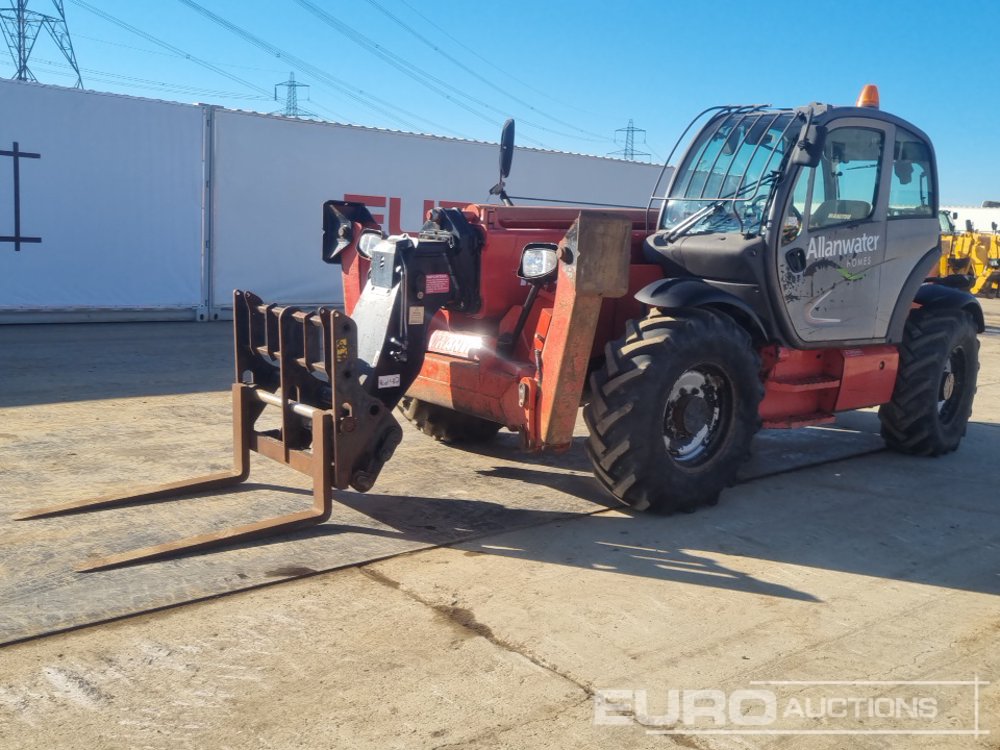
(506, 154)
(809, 147)
(506, 148)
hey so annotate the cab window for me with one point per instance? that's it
(911, 189)
(845, 187)
(842, 189)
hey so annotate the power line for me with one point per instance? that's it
(108, 77)
(422, 77)
(21, 28)
(187, 56)
(461, 65)
(165, 45)
(629, 151)
(158, 53)
(429, 21)
(387, 109)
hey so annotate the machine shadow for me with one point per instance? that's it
(885, 516)
(920, 533)
(900, 536)
(449, 522)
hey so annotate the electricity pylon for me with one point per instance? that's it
(629, 151)
(291, 98)
(21, 28)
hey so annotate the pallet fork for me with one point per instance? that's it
(305, 364)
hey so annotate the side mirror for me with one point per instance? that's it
(506, 148)
(809, 147)
(539, 261)
(506, 155)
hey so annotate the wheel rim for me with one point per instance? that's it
(952, 385)
(695, 414)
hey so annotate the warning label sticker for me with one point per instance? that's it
(437, 283)
(416, 317)
(341, 350)
(388, 381)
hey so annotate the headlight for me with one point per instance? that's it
(368, 242)
(538, 260)
(994, 262)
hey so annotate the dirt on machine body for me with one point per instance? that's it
(779, 277)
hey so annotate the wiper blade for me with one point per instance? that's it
(685, 226)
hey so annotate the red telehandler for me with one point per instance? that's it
(778, 279)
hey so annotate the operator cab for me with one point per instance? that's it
(822, 220)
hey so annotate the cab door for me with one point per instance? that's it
(833, 237)
(913, 237)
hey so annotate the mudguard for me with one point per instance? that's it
(942, 296)
(688, 292)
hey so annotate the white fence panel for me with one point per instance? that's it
(982, 218)
(114, 196)
(106, 214)
(272, 175)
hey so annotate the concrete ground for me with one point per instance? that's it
(878, 568)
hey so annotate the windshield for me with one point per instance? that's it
(729, 170)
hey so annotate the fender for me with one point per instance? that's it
(940, 296)
(688, 292)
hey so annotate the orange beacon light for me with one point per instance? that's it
(869, 96)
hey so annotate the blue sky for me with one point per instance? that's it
(571, 73)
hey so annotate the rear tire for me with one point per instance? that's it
(447, 425)
(936, 384)
(674, 410)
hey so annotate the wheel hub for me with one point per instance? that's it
(694, 414)
(948, 386)
(952, 383)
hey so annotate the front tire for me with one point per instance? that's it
(674, 410)
(935, 386)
